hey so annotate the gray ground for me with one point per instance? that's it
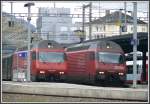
(10, 97)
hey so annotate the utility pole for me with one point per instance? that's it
(29, 38)
(120, 19)
(11, 22)
(125, 21)
(83, 19)
(135, 43)
(11, 9)
(17, 64)
(90, 18)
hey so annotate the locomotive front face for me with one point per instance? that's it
(110, 62)
(50, 63)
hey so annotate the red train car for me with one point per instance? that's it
(98, 61)
(47, 61)
(140, 76)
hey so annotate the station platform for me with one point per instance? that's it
(75, 90)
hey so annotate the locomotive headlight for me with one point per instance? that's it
(121, 73)
(108, 47)
(42, 72)
(61, 72)
(101, 72)
(50, 45)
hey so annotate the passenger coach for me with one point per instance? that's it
(140, 76)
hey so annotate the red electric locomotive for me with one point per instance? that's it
(97, 61)
(47, 61)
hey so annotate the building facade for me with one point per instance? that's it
(14, 33)
(56, 24)
(109, 25)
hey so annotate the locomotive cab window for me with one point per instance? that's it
(108, 57)
(51, 57)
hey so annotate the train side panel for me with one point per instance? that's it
(80, 66)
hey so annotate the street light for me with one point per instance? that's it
(29, 38)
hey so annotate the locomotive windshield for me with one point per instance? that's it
(108, 57)
(51, 57)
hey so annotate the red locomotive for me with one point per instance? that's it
(47, 61)
(97, 61)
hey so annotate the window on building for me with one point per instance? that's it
(101, 29)
(104, 28)
(143, 29)
(73, 28)
(131, 28)
(96, 28)
(97, 36)
(11, 23)
(64, 36)
(63, 28)
(46, 13)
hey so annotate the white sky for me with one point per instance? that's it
(18, 6)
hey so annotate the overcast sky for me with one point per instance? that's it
(18, 6)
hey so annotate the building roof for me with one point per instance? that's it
(114, 17)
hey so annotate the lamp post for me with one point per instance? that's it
(29, 38)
